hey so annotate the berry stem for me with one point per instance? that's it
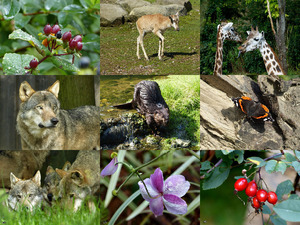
(215, 166)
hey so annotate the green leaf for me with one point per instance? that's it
(13, 64)
(73, 9)
(216, 179)
(88, 4)
(266, 209)
(53, 5)
(298, 154)
(258, 161)
(19, 34)
(21, 21)
(288, 210)
(289, 157)
(226, 152)
(270, 166)
(277, 220)
(296, 166)
(10, 8)
(280, 167)
(63, 64)
(205, 165)
(283, 188)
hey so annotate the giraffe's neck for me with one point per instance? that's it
(271, 61)
(219, 54)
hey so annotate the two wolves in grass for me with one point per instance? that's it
(70, 186)
(43, 125)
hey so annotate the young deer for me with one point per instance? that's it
(157, 24)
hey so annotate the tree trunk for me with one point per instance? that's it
(280, 36)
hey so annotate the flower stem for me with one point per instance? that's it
(137, 173)
(153, 160)
(194, 154)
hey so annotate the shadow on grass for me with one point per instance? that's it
(172, 54)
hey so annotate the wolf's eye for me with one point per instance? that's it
(39, 107)
(255, 39)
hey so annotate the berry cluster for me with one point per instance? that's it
(53, 38)
(258, 197)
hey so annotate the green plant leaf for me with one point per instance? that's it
(205, 165)
(63, 64)
(21, 21)
(281, 167)
(288, 210)
(266, 209)
(277, 220)
(283, 188)
(19, 34)
(289, 157)
(270, 166)
(13, 64)
(296, 166)
(258, 161)
(297, 154)
(226, 152)
(216, 179)
(10, 8)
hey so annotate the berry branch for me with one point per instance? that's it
(211, 169)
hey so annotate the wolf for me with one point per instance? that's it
(81, 181)
(26, 193)
(43, 125)
(52, 180)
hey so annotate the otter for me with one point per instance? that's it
(148, 101)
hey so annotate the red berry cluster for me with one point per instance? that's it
(258, 196)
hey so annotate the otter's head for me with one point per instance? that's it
(161, 115)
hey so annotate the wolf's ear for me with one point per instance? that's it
(61, 173)
(37, 178)
(25, 91)
(77, 177)
(54, 88)
(13, 179)
(67, 166)
(49, 170)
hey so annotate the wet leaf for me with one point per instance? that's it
(13, 64)
(63, 64)
(288, 210)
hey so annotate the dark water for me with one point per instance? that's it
(116, 90)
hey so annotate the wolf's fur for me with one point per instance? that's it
(27, 193)
(52, 180)
(21, 163)
(44, 126)
(81, 181)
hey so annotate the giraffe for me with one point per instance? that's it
(225, 32)
(256, 40)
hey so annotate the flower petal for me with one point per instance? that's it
(151, 190)
(157, 180)
(174, 204)
(176, 185)
(110, 169)
(157, 206)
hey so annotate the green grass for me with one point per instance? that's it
(182, 49)
(49, 216)
(182, 94)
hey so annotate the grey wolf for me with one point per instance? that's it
(52, 180)
(81, 181)
(157, 24)
(25, 193)
(43, 125)
(21, 163)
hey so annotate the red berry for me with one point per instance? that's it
(47, 29)
(72, 44)
(240, 184)
(255, 203)
(67, 36)
(79, 46)
(78, 38)
(251, 189)
(33, 63)
(55, 28)
(272, 197)
(262, 195)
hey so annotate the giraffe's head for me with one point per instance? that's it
(255, 40)
(228, 32)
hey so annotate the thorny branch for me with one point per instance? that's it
(215, 166)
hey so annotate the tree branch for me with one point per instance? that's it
(269, 11)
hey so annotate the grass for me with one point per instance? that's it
(49, 216)
(182, 49)
(182, 94)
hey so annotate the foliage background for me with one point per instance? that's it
(243, 14)
(79, 16)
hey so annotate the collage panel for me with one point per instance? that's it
(46, 187)
(249, 37)
(50, 37)
(253, 187)
(150, 37)
(249, 112)
(150, 187)
(150, 112)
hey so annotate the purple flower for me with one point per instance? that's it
(168, 193)
(111, 168)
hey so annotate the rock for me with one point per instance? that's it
(152, 140)
(129, 5)
(186, 3)
(180, 143)
(165, 10)
(112, 15)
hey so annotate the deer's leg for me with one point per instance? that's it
(161, 45)
(142, 45)
(138, 47)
